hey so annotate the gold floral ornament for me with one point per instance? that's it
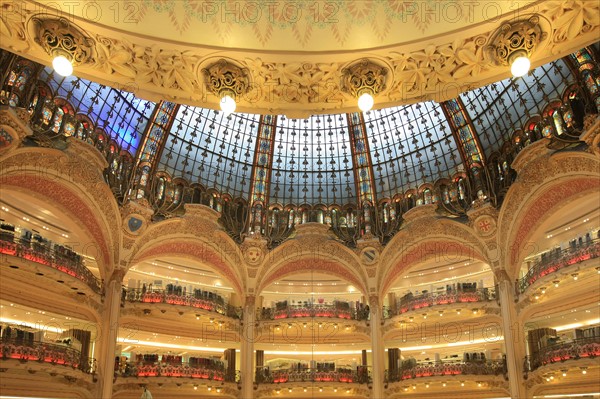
(514, 43)
(228, 82)
(363, 80)
(66, 43)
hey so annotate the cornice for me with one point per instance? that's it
(302, 83)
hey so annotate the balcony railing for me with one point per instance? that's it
(559, 260)
(359, 376)
(447, 368)
(409, 303)
(45, 352)
(214, 304)
(560, 352)
(48, 256)
(339, 310)
(181, 370)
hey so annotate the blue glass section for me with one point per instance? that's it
(120, 114)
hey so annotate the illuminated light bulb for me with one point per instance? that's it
(414, 387)
(444, 384)
(195, 387)
(564, 373)
(365, 102)
(320, 389)
(228, 105)
(305, 389)
(62, 65)
(575, 276)
(543, 291)
(479, 384)
(520, 66)
(426, 385)
(556, 283)
(583, 371)
(462, 384)
(290, 390)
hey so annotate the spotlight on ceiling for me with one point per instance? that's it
(62, 65)
(519, 64)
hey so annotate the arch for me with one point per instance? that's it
(312, 253)
(434, 238)
(544, 201)
(193, 249)
(427, 249)
(73, 184)
(331, 267)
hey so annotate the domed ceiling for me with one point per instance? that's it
(330, 159)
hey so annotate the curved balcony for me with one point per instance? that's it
(179, 370)
(359, 376)
(447, 368)
(196, 300)
(560, 352)
(337, 310)
(410, 303)
(63, 260)
(557, 261)
(45, 352)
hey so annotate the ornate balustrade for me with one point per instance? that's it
(46, 255)
(45, 352)
(560, 352)
(214, 304)
(339, 310)
(559, 260)
(182, 370)
(359, 376)
(447, 368)
(407, 304)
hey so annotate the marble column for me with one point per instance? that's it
(247, 348)
(377, 349)
(109, 330)
(514, 338)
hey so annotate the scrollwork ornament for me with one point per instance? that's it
(514, 38)
(61, 37)
(362, 76)
(224, 77)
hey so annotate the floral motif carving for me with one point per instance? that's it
(173, 72)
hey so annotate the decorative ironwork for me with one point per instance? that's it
(45, 352)
(338, 310)
(61, 37)
(557, 261)
(225, 78)
(576, 349)
(410, 302)
(364, 76)
(63, 260)
(198, 299)
(410, 371)
(515, 39)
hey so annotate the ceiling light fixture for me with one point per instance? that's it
(514, 43)
(228, 82)
(363, 80)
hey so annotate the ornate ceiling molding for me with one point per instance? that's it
(303, 83)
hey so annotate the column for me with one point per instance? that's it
(109, 330)
(377, 351)
(247, 349)
(513, 338)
